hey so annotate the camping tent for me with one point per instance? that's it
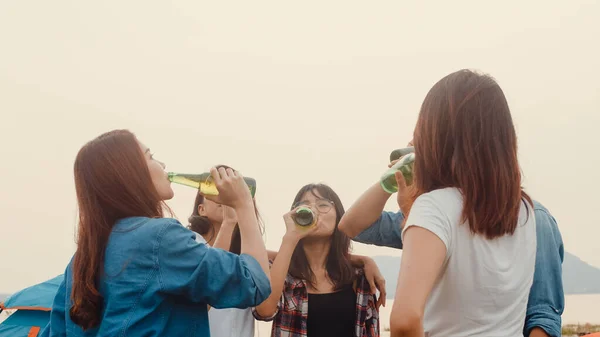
(32, 307)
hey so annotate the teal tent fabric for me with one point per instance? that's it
(28, 318)
(14, 330)
(38, 296)
(32, 309)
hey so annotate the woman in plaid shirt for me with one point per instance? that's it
(313, 264)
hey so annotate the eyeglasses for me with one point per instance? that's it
(322, 205)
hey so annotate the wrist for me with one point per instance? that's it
(244, 205)
(358, 260)
(228, 223)
(290, 238)
(382, 193)
(367, 260)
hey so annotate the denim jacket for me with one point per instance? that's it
(158, 280)
(546, 298)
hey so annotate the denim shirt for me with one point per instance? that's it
(546, 298)
(158, 280)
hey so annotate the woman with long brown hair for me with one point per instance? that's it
(316, 289)
(469, 236)
(136, 273)
(217, 226)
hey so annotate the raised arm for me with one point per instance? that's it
(234, 192)
(267, 310)
(365, 211)
(372, 273)
(279, 270)
(546, 299)
(225, 234)
(202, 274)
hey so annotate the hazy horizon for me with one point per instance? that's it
(288, 93)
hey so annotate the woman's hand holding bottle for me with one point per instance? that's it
(294, 231)
(281, 265)
(233, 191)
(402, 186)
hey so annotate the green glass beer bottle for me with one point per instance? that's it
(396, 154)
(204, 182)
(304, 217)
(404, 165)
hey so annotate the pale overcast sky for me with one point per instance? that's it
(288, 93)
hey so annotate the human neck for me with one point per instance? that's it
(212, 234)
(316, 251)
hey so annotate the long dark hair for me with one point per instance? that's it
(339, 269)
(202, 225)
(112, 182)
(465, 138)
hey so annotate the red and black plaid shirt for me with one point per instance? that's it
(290, 320)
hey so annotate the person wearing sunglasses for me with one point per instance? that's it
(316, 290)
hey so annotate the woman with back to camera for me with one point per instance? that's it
(469, 236)
(316, 289)
(136, 273)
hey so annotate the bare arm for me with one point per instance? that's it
(223, 239)
(358, 261)
(373, 275)
(279, 272)
(252, 242)
(538, 332)
(422, 260)
(272, 255)
(425, 246)
(234, 192)
(280, 267)
(365, 211)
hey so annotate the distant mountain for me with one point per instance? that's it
(578, 277)
(389, 267)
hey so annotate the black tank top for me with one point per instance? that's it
(332, 314)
